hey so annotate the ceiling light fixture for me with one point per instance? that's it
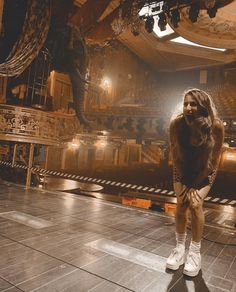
(162, 22)
(149, 24)
(175, 17)
(161, 11)
(194, 11)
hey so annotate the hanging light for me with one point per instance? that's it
(149, 23)
(118, 24)
(175, 17)
(212, 12)
(135, 22)
(162, 22)
(170, 9)
(194, 11)
(211, 8)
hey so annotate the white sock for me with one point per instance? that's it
(181, 238)
(195, 246)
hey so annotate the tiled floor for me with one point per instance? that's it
(85, 244)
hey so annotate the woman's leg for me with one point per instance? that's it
(198, 220)
(181, 217)
(181, 208)
(196, 208)
(177, 256)
(193, 261)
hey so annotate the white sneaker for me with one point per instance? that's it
(193, 264)
(176, 258)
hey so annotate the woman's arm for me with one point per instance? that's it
(196, 196)
(179, 188)
(218, 135)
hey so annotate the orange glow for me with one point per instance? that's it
(74, 144)
(230, 156)
(106, 84)
(101, 143)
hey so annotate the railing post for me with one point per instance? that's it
(29, 171)
(14, 155)
(46, 158)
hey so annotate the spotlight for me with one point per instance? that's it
(194, 11)
(162, 22)
(175, 17)
(155, 9)
(149, 24)
(212, 11)
(135, 32)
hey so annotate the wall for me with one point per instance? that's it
(61, 90)
(132, 100)
(131, 79)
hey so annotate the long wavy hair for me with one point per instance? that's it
(191, 160)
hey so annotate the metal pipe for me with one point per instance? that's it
(30, 163)
(14, 155)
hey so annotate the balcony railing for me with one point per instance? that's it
(34, 126)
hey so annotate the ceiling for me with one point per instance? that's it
(164, 55)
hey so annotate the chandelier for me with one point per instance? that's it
(128, 16)
(119, 23)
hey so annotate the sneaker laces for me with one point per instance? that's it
(177, 252)
(193, 259)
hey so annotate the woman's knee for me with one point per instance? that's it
(182, 205)
(196, 210)
(181, 210)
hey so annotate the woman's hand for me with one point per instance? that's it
(184, 195)
(194, 197)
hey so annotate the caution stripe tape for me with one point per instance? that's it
(126, 186)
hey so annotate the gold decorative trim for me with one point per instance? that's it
(33, 126)
(219, 32)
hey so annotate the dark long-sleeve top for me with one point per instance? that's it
(190, 162)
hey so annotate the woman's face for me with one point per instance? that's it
(190, 109)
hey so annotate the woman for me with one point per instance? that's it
(196, 138)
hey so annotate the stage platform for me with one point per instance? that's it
(58, 241)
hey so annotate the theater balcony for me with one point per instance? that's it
(28, 125)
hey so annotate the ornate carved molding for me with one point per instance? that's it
(29, 125)
(219, 31)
